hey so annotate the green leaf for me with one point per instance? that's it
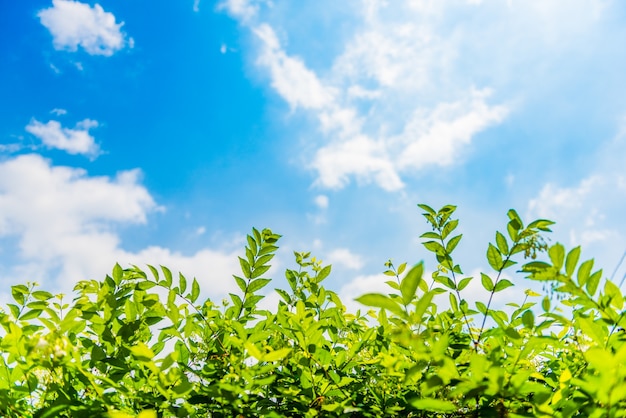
(545, 304)
(434, 247)
(257, 284)
(381, 301)
(259, 271)
(427, 208)
(528, 319)
(19, 293)
(241, 283)
(323, 273)
(42, 295)
(145, 285)
(454, 304)
(431, 235)
(433, 405)
(117, 274)
(486, 282)
(142, 352)
(502, 284)
(33, 313)
(571, 261)
(195, 290)
(448, 228)
(423, 303)
(408, 285)
(454, 241)
(262, 260)
(276, 355)
(463, 283)
(401, 268)
(251, 244)
(482, 308)
(592, 283)
(512, 333)
(245, 268)
(584, 272)
(182, 283)
(557, 255)
(494, 257)
(168, 275)
(502, 244)
(154, 271)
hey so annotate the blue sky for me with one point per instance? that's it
(161, 132)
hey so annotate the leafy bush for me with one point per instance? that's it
(141, 344)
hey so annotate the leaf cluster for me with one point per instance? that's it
(144, 344)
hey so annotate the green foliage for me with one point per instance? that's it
(142, 344)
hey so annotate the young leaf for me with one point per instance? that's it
(571, 261)
(240, 282)
(528, 319)
(182, 283)
(486, 282)
(323, 273)
(427, 208)
(502, 284)
(594, 280)
(584, 271)
(408, 285)
(557, 255)
(168, 275)
(454, 241)
(195, 290)
(257, 284)
(463, 283)
(433, 405)
(117, 274)
(381, 301)
(502, 244)
(245, 268)
(494, 257)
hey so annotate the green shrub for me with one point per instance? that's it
(141, 344)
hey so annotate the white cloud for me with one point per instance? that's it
(64, 223)
(73, 24)
(73, 141)
(361, 157)
(240, 9)
(58, 111)
(438, 138)
(344, 257)
(297, 84)
(377, 104)
(196, 5)
(321, 201)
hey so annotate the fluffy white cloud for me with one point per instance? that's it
(73, 24)
(64, 224)
(73, 141)
(344, 257)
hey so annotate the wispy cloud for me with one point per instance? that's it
(387, 64)
(73, 141)
(73, 24)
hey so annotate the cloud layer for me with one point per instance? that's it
(66, 224)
